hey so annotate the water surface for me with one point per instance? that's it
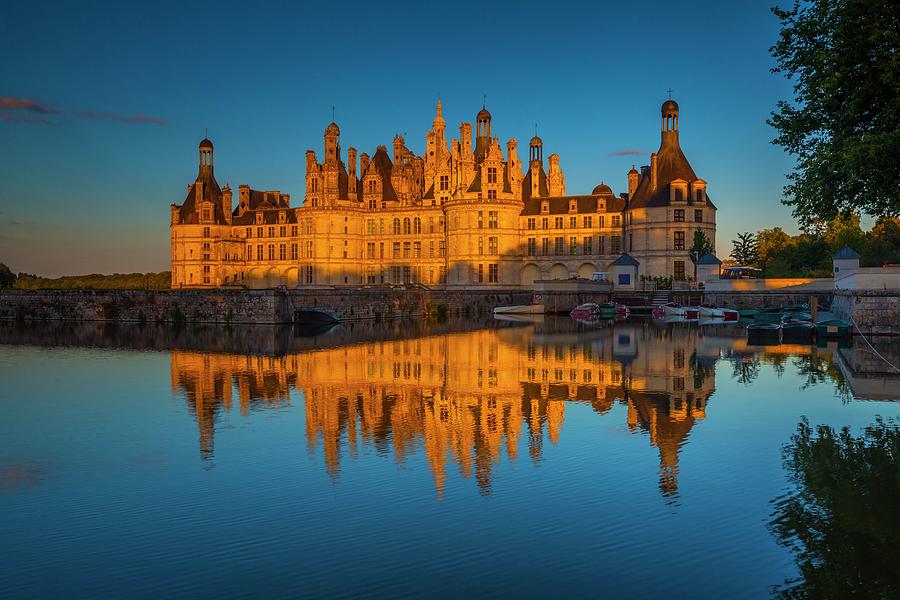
(407, 458)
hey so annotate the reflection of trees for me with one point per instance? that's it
(815, 370)
(842, 520)
(746, 370)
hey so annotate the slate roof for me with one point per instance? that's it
(188, 211)
(627, 260)
(671, 164)
(542, 185)
(709, 259)
(845, 253)
(559, 205)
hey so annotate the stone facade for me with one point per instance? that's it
(459, 216)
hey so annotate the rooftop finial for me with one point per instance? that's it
(332, 113)
(484, 101)
(670, 93)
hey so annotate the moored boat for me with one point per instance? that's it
(691, 313)
(710, 312)
(729, 314)
(797, 331)
(832, 329)
(521, 309)
(764, 333)
(585, 311)
(673, 309)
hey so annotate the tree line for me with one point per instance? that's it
(116, 281)
(809, 253)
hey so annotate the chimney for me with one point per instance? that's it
(363, 164)
(227, 203)
(351, 160)
(653, 171)
(633, 180)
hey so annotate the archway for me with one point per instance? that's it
(559, 271)
(586, 270)
(529, 273)
(256, 278)
(291, 277)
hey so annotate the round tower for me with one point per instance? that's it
(206, 156)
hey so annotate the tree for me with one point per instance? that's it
(843, 124)
(840, 517)
(699, 247)
(746, 249)
(882, 244)
(769, 243)
(844, 230)
(7, 277)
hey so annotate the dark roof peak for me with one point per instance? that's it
(846, 253)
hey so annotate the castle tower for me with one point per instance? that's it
(332, 143)
(535, 164)
(482, 134)
(633, 179)
(439, 126)
(206, 158)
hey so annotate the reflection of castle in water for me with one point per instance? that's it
(466, 398)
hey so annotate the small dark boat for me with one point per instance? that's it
(832, 329)
(799, 332)
(309, 315)
(764, 333)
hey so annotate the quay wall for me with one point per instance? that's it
(874, 311)
(246, 306)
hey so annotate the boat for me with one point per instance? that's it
(764, 333)
(521, 309)
(312, 315)
(673, 309)
(748, 313)
(729, 314)
(832, 329)
(796, 317)
(710, 312)
(622, 311)
(797, 331)
(607, 310)
(585, 311)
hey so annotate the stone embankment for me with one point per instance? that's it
(246, 306)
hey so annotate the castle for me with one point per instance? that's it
(457, 216)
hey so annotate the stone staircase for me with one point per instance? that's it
(661, 297)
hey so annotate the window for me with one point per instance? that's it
(282, 252)
(314, 185)
(678, 270)
(588, 222)
(406, 249)
(282, 231)
(624, 279)
(249, 232)
(679, 215)
(271, 251)
(370, 227)
(396, 249)
(206, 214)
(370, 250)
(381, 250)
(271, 231)
(700, 195)
(616, 221)
(530, 223)
(492, 175)
(480, 273)
(532, 246)
(407, 227)
(417, 249)
(492, 194)
(493, 247)
(679, 240)
(444, 183)
(545, 246)
(372, 186)
(309, 249)
(259, 252)
(293, 231)
(601, 220)
(492, 219)
(417, 225)
(431, 249)
(397, 226)
(601, 244)
(294, 252)
(493, 273)
(559, 246)
(206, 257)
(558, 222)
(545, 223)
(573, 245)
(573, 222)
(480, 246)
(588, 245)
(480, 220)
(206, 232)
(698, 216)
(615, 243)
(442, 248)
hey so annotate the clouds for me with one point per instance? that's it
(27, 110)
(629, 152)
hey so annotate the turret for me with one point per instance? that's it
(482, 134)
(633, 179)
(332, 143)
(206, 158)
(398, 148)
(226, 203)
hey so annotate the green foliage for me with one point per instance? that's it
(844, 230)
(118, 281)
(769, 243)
(883, 244)
(700, 246)
(843, 124)
(841, 520)
(7, 277)
(745, 250)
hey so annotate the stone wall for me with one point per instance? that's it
(245, 306)
(762, 299)
(874, 311)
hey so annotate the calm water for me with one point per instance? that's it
(525, 459)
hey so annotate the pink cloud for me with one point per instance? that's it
(121, 118)
(26, 104)
(6, 116)
(629, 152)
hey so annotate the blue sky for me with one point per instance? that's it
(127, 92)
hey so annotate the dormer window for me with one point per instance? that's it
(282, 217)
(573, 206)
(545, 207)
(601, 205)
(207, 214)
(678, 191)
(698, 191)
(259, 218)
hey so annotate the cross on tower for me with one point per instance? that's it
(332, 113)
(484, 101)
(670, 93)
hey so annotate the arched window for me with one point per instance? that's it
(406, 226)
(417, 225)
(397, 226)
